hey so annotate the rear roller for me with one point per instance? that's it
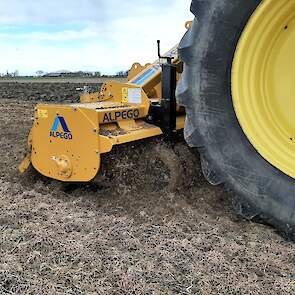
(238, 86)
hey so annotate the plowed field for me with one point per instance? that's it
(129, 233)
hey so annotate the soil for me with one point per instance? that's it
(130, 231)
(47, 92)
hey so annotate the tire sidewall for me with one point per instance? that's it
(217, 29)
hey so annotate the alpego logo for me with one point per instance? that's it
(66, 134)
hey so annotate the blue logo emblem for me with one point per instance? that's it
(65, 134)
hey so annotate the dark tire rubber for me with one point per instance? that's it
(207, 50)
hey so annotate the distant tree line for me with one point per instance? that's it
(68, 74)
(10, 75)
(122, 74)
(80, 74)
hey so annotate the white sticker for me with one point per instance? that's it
(134, 95)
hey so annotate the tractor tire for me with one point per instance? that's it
(207, 51)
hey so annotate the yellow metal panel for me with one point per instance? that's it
(146, 131)
(129, 125)
(24, 165)
(105, 144)
(89, 97)
(121, 113)
(135, 70)
(67, 153)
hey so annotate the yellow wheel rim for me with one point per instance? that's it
(263, 82)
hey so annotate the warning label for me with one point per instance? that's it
(124, 95)
(134, 95)
(42, 114)
(131, 95)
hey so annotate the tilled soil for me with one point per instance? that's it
(48, 92)
(129, 232)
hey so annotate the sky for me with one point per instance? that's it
(88, 35)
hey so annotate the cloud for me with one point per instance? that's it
(61, 11)
(43, 11)
(67, 35)
(108, 37)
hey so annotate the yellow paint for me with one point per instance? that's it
(49, 154)
(24, 165)
(136, 69)
(263, 82)
(42, 114)
(64, 166)
(188, 24)
(180, 122)
(89, 97)
(124, 95)
(128, 125)
(140, 131)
